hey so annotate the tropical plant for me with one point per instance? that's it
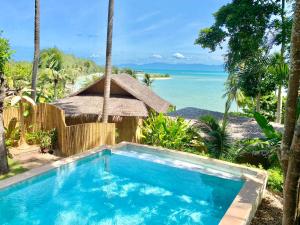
(47, 140)
(12, 133)
(51, 59)
(173, 133)
(279, 71)
(36, 49)
(233, 91)
(275, 179)
(271, 134)
(22, 98)
(244, 32)
(217, 138)
(147, 80)
(5, 54)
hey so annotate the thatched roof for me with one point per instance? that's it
(129, 97)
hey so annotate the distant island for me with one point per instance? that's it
(166, 66)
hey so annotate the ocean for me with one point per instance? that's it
(191, 88)
(197, 86)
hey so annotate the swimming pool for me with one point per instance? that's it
(131, 185)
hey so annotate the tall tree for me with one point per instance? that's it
(108, 65)
(5, 54)
(243, 23)
(290, 148)
(279, 71)
(36, 49)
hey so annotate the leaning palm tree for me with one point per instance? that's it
(36, 49)
(108, 65)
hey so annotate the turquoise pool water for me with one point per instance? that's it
(110, 188)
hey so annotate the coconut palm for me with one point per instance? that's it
(108, 65)
(233, 92)
(279, 71)
(51, 59)
(147, 80)
(36, 49)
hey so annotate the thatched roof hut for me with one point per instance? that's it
(129, 98)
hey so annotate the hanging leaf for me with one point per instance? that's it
(15, 100)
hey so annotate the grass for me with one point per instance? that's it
(14, 169)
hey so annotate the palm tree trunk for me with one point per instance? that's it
(279, 105)
(108, 65)
(290, 148)
(257, 108)
(292, 95)
(36, 49)
(290, 205)
(3, 152)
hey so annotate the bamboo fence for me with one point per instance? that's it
(71, 139)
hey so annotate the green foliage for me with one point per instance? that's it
(12, 134)
(278, 70)
(147, 80)
(5, 52)
(129, 72)
(275, 180)
(18, 75)
(267, 128)
(45, 139)
(217, 140)
(160, 130)
(243, 23)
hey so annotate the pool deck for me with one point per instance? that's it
(241, 210)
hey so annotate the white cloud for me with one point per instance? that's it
(178, 56)
(95, 56)
(157, 56)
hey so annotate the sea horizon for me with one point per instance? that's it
(201, 88)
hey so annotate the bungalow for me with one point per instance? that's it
(130, 102)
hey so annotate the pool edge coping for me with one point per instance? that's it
(240, 212)
(245, 204)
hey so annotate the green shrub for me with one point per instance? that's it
(218, 139)
(275, 181)
(160, 130)
(12, 134)
(45, 139)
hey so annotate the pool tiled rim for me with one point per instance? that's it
(241, 210)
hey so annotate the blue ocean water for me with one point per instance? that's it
(192, 88)
(114, 189)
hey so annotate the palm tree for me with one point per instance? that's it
(147, 80)
(279, 71)
(36, 49)
(108, 65)
(290, 150)
(232, 91)
(52, 60)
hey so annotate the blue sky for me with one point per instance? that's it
(145, 31)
